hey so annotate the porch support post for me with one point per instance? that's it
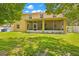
(26, 26)
(43, 25)
(65, 30)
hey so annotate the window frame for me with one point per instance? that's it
(17, 26)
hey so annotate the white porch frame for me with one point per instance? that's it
(47, 31)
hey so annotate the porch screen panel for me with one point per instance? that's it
(29, 25)
(58, 25)
(39, 25)
(49, 25)
(54, 25)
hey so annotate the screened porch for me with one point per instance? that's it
(48, 26)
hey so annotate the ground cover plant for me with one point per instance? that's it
(34, 44)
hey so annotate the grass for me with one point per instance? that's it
(31, 44)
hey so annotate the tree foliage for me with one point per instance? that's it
(54, 8)
(71, 10)
(10, 12)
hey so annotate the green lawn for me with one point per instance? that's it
(31, 44)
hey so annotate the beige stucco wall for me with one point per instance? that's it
(37, 16)
(22, 24)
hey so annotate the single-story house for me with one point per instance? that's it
(40, 22)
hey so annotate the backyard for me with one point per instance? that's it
(34, 44)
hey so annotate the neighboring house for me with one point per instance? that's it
(5, 28)
(41, 22)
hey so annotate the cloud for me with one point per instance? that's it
(26, 11)
(39, 10)
(30, 7)
(34, 11)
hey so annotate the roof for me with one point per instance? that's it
(64, 18)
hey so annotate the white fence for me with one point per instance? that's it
(72, 28)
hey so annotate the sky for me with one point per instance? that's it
(34, 7)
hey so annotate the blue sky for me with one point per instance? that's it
(34, 7)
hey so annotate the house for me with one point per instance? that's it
(41, 22)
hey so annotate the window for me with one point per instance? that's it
(41, 15)
(30, 16)
(18, 26)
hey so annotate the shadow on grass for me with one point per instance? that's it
(41, 46)
(48, 46)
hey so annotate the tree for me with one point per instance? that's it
(54, 8)
(10, 12)
(71, 11)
